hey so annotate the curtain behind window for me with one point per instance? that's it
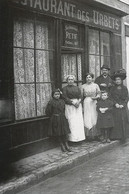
(31, 68)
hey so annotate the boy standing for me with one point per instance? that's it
(105, 118)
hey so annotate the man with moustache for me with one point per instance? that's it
(104, 81)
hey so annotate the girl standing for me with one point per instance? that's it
(58, 126)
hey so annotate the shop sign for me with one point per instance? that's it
(74, 11)
(71, 35)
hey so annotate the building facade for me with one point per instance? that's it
(42, 41)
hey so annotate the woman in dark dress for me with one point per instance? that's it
(58, 125)
(119, 96)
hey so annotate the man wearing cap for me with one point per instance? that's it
(104, 81)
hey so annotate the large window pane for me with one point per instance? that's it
(24, 101)
(23, 65)
(94, 65)
(42, 66)
(41, 36)
(105, 60)
(104, 39)
(43, 95)
(93, 42)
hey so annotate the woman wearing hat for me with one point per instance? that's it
(119, 95)
(73, 110)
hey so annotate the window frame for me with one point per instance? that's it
(37, 17)
(99, 55)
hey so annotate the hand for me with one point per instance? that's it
(94, 98)
(121, 106)
(117, 105)
(103, 110)
(76, 105)
(103, 84)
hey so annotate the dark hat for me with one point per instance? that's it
(105, 67)
(120, 73)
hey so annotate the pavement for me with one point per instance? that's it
(29, 171)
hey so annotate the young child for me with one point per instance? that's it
(105, 118)
(58, 126)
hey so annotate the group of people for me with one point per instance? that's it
(95, 111)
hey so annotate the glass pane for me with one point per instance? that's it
(17, 34)
(79, 63)
(94, 65)
(68, 64)
(42, 66)
(23, 33)
(41, 35)
(43, 95)
(23, 65)
(105, 61)
(105, 43)
(93, 42)
(24, 101)
(28, 32)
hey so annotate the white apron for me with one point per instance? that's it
(76, 123)
(90, 113)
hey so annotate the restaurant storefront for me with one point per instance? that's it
(42, 41)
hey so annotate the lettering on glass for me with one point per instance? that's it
(71, 35)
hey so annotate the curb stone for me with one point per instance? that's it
(43, 173)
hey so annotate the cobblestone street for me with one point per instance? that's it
(107, 173)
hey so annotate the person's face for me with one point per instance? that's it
(104, 96)
(118, 81)
(105, 71)
(70, 81)
(89, 79)
(56, 95)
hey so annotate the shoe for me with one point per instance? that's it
(104, 141)
(108, 141)
(63, 148)
(67, 147)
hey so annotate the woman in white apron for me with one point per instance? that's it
(90, 92)
(73, 110)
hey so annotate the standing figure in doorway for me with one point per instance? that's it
(73, 110)
(119, 96)
(91, 93)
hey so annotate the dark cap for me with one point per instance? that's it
(105, 67)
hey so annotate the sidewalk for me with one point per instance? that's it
(29, 171)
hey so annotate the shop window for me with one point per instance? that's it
(99, 50)
(33, 51)
(71, 65)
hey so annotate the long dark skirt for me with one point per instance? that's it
(120, 120)
(58, 125)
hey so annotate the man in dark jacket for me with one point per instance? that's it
(104, 81)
